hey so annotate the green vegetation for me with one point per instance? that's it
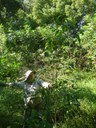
(57, 38)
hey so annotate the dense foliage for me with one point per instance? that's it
(57, 38)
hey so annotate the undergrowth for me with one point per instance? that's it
(70, 103)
